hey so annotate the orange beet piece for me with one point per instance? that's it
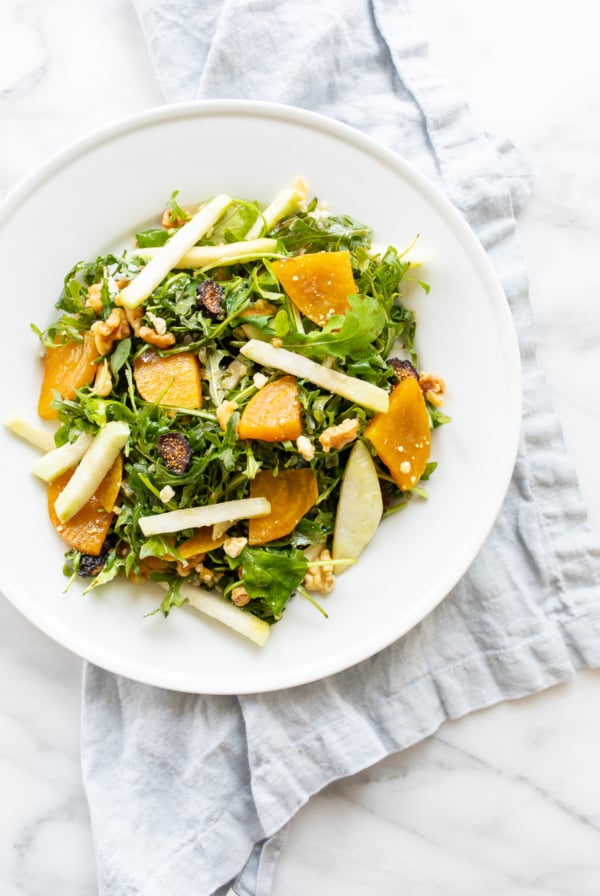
(273, 413)
(291, 494)
(66, 368)
(401, 436)
(108, 490)
(86, 530)
(201, 542)
(318, 283)
(174, 380)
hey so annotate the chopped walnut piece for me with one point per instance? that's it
(106, 332)
(160, 340)
(320, 578)
(433, 388)
(103, 381)
(184, 569)
(156, 335)
(94, 298)
(169, 220)
(207, 576)
(134, 318)
(240, 596)
(339, 436)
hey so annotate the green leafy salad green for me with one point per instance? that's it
(183, 332)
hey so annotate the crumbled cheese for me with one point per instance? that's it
(260, 380)
(305, 447)
(224, 413)
(166, 493)
(233, 547)
(235, 372)
(405, 466)
(159, 323)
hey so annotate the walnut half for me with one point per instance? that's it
(320, 578)
(113, 329)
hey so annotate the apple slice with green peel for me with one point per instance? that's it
(136, 292)
(360, 507)
(56, 462)
(93, 467)
(241, 621)
(286, 202)
(204, 257)
(35, 435)
(204, 515)
(359, 391)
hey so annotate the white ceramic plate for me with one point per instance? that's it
(88, 199)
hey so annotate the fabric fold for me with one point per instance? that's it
(207, 784)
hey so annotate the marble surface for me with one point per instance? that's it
(505, 801)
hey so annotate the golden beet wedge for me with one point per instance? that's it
(273, 413)
(87, 530)
(66, 368)
(172, 380)
(291, 494)
(401, 436)
(318, 283)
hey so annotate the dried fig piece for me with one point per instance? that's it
(90, 565)
(403, 369)
(175, 451)
(212, 298)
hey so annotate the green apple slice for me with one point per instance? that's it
(360, 507)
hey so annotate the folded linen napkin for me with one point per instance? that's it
(191, 793)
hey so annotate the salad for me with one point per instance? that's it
(238, 405)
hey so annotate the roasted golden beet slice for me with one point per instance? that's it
(66, 368)
(273, 413)
(291, 494)
(86, 530)
(401, 436)
(173, 380)
(108, 490)
(318, 283)
(201, 542)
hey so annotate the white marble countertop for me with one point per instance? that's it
(507, 800)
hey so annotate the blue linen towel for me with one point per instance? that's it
(191, 793)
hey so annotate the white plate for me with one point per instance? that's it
(87, 199)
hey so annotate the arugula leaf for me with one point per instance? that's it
(152, 238)
(120, 355)
(177, 212)
(343, 334)
(235, 223)
(437, 417)
(271, 576)
(321, 232)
